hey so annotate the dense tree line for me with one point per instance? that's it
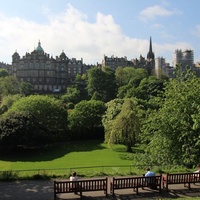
(126, 106)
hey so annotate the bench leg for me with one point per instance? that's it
(137, 190)
(81, 196)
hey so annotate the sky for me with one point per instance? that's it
(90, 29)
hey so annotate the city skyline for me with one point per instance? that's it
(90, 30)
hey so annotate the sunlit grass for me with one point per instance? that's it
(88, 158)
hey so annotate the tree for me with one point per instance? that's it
(72, 95)
(102, 81)
(7, 102)
(8, 85)
(3, 73)
(176, 125)
(47, 110)
(25, 88)
(22, 129)
(113, 108)
(125, 127)
(85, 118)
(129, 75)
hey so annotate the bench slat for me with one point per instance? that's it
(180, 178)
(80, 186)
(134, 182)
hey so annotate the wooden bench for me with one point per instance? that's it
(80, 186)
(135, 183)
(180, 178)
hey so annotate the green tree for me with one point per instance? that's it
(22, 129)
(125, 127)
(173, 131)
(8, 85)
(102, 81)
(3, 73)
(85, 118)
(113, 108)
(7, 102)
(72, 95)
(129, 75)
(49, 111)
(25, 88)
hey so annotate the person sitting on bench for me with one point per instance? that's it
(152, 182)
(73, 178)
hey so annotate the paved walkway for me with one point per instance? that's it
(43, 190)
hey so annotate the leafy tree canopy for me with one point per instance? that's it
(3, 73)
(173, 131)
(86, 116)
(47, 110)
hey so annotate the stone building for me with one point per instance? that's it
(115, 62)
(185, 58)
(45, 73)
(147, 64)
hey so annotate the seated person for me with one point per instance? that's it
(74, 178)
(149, 173)
(152, 182)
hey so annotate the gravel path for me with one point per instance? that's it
(43, 190)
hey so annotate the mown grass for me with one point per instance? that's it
(88, 158)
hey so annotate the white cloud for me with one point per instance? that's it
(72, 32)
(153, 12)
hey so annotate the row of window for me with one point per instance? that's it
(43, 80)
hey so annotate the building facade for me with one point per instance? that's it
(147, 64)
(115, 62)
(185, 58)
(45, 73)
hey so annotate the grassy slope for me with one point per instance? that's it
(70, 155)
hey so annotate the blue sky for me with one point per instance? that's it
(90, 29)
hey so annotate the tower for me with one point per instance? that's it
(150, 59)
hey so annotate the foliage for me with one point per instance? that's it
(25, 88)
(146, 89)
(129, 75)
(102, 82)
(8, 85)
(48, 110)
(176, 125)
(3, 73)
(86, 117)
(22, 129)
(113, 108)
(125, 127)
(7, 102)
(72, 95)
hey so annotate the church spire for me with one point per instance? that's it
(150, 46)
(150, 54)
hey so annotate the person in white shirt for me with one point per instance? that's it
(151, 182)
(74, 178)
(149, 173)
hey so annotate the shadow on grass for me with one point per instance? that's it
(52, 152)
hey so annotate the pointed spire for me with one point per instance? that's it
(150, 54)
(150, 46)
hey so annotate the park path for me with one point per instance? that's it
(43, 190)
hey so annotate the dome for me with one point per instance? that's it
(39, 48)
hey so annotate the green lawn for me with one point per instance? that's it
(88, 158)
(71, 155)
